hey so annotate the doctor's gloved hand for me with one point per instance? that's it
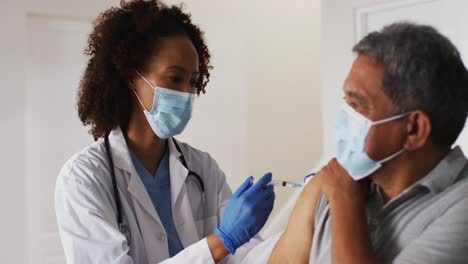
(246, 212)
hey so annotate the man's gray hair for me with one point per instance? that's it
(423, 70)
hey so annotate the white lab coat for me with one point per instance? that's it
(86, 210)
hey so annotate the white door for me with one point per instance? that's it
(55, 63)
(346, 22)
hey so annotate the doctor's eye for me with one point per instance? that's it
(175, 79)
(193, 84)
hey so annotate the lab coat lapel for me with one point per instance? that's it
(178, 172)
(181, 208)
(122, 159)
(139, 193)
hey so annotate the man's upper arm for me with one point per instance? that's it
(444, 241)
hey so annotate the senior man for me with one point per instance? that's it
(397, 191)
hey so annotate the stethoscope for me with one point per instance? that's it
(123, 227)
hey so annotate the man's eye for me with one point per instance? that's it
(350, 102)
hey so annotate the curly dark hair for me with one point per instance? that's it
(122, 41)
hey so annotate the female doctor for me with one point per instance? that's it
(137, 195)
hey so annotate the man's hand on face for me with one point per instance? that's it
(347, 199)
(337, 184)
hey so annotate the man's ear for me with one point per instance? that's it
(419, 129)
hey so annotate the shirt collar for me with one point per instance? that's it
(445, 173)
(438, 179)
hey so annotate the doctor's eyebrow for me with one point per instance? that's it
(180, 68)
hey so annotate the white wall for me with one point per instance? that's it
(13, 218)
(55, 63)
(16, 216)
(219, 125)
(284, 95)
(266, 56)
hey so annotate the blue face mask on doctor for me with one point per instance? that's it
(171, 110)
(350, 134)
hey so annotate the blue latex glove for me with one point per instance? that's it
(246, 212)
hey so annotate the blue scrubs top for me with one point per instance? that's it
(159, 190)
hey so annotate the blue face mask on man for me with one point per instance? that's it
(351, 130)
(171, 110)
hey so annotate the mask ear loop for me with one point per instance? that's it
(152, 86)
(391, 156)
(390, 118)
(141, 103)
(387, 120)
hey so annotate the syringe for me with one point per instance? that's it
(286, 184)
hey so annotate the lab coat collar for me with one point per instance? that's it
(172, 148)
(181, 209)
(123, 161)
(178, 175)
(178, 172)
(120, 153)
